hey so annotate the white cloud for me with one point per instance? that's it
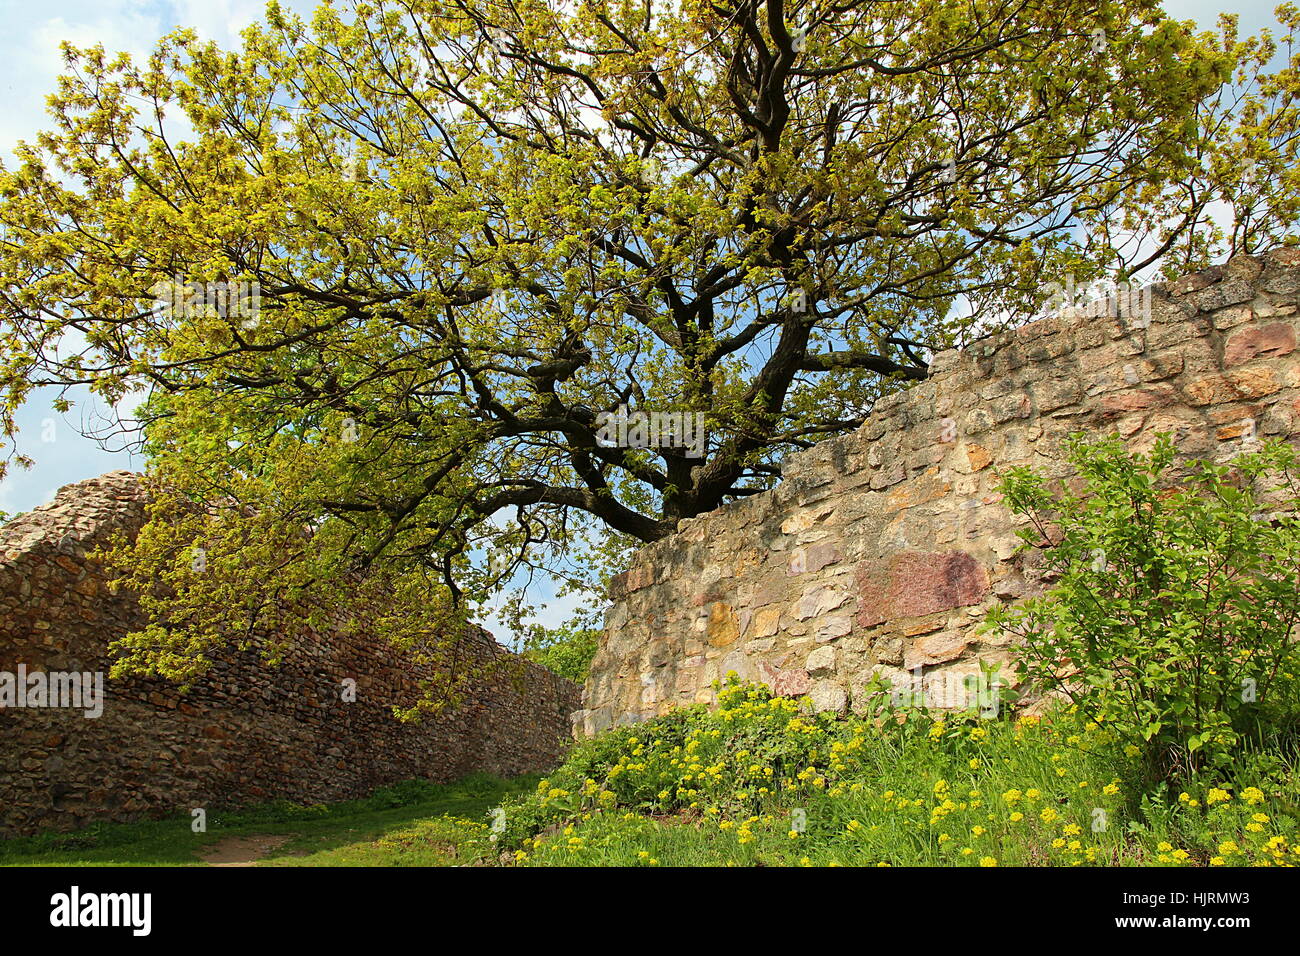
(220, 20)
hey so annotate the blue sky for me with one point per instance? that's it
(29, 64)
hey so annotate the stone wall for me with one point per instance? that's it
(247, 732)
(880, 551)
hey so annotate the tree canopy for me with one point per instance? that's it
(380, 272)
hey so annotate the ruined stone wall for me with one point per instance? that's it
(247, 732)
(880, 551)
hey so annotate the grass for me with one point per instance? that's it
(411, 824)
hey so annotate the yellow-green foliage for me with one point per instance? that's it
(761, 779)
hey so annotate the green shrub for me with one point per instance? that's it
(566, 650)
(1173, 599)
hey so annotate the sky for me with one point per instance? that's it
(29, 64)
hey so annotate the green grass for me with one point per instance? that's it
(411, 824)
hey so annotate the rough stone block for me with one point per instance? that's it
(1266, 341)
(916, 583)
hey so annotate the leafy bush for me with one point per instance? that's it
(566, 650)
(1173, 601)
(730, 759)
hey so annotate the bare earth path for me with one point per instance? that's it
(241, 850)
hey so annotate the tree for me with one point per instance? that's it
(382, 273)
(566, 650)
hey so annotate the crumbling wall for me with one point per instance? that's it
(880, 551)
(247, 732)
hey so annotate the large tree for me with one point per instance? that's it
(473, 225)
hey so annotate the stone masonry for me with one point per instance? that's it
(247, 732)
(882, 550)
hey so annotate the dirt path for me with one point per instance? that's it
(241, 850)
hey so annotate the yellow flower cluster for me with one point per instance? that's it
(741, 770)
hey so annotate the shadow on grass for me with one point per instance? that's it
(399, 825)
